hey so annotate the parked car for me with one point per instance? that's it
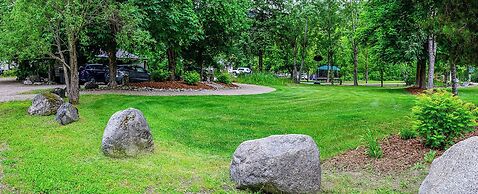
(92, 72)
(1, 71)
(128, 73)
(242, 70)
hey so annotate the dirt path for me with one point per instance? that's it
(11, 90)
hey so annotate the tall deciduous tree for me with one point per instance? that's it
(173, 23)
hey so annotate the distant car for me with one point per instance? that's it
(92, 72)
(242, 70)
(128, 73)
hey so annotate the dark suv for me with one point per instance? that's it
(128, 73)
(93, 72)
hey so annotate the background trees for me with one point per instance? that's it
(367, 39)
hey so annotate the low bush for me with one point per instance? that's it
(191, 77)
(430, 156)
(442, 117)
(262, 79)
(224, 78)
(9, 73)
(408, 134)
(159, 75)
(374, 149)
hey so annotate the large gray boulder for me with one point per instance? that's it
(67, 114)
(127, 134)
(278, 164)
(45, 104)
(60, 92)
(456, 171)
(91, 85)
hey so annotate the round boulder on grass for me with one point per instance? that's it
(91, 85)
(277, 164)
(67, 114)
(127, 134)
(456, 171)
(60, 92)
(45, 104)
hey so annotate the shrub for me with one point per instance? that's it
(430, 156)
(374, 149)
(408, 134)
(224, 78)
(159, 75)
(191, 77)
(9, 73)
(442, 117)
(262, 79)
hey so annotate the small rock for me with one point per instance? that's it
(67, 114)
(127, 134)
(278, 164)
(27, 82)
(91, 85)
(45, 104)
(60, 92)
(456, 171)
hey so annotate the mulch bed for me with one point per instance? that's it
(168, 85)
(398, 155)
(415, 90)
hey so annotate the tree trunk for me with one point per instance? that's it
(172, 64)
(381, 76)
(112, 64)
(445, 79)
(421, 68)
(304, 49)
(366, 65)
(261, 60)
(431, 58)
(454, 80)
(74, 91)
(355, 64)
(295, 77)
(329, 60)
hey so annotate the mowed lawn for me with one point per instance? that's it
(194, 136)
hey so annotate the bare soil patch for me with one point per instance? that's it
(415, 90)
(168, 85)
(398, 155)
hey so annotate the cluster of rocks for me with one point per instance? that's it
(36, 80)
(51, 103)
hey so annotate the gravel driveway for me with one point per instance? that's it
(10, 90)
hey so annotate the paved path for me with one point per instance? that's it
(11, 90)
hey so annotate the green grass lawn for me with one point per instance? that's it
(194, 136)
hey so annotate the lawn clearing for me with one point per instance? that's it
(194, 136)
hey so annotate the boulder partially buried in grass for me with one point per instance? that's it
(278, 164)
(67, 114)
(127, 134)
(456, 171)
(45, 104)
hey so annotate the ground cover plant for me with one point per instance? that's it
(194, 136)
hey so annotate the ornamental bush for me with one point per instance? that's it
(224, 78)
(159, 75)
(442, 117)
(191, 77)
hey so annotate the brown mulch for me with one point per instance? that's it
(415, 90)
(167, 85)
(398, 155)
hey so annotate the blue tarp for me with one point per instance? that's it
(326, 68)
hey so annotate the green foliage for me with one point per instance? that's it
(442, 117)
(374, 149)
(224, 78)
(191, 77)
(408, 133)
(9, 73)
(159, 75)
(267, 79)
(430, 156)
